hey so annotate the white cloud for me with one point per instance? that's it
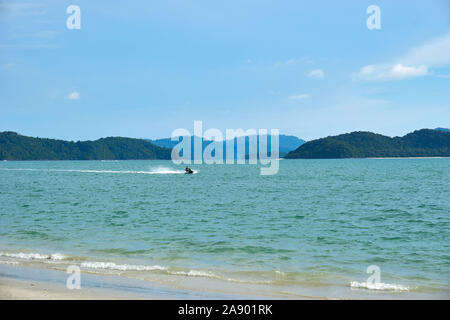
(368, 70)
(433, 54)
(317, 73)
(395, 72)
(415, 63)
(400, 71)
(300, 96)
(75, 95)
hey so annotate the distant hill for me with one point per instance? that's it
(442, 129)
(169, 144)
(289, 143)
(420, 143)
(286, 144)
(14, 146)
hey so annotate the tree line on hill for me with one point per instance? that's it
(14, 146)
(420, 143)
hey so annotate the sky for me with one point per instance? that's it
(145, 68)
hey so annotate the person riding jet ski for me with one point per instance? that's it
(188, 170)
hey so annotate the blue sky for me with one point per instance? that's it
(144, 68)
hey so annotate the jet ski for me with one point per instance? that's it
(189, 171)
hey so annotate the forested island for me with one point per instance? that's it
(360, 144)
(14, 146)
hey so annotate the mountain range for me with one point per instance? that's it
(359, 144)
(286, 144)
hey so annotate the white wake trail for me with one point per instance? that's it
(158, 171)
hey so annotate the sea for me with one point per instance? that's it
(343, 228)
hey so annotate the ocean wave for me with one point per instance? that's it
(207, 274)
(248, 281)
(103, 265)
(195, 273)
(379, 286)
(132, 267)
(34, 256)
(99, 265)
(121, 267)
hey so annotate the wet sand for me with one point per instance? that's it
(19, 282)
(14, 289)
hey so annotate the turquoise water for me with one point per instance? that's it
(316, 222)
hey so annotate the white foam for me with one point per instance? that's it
(157, 171)
(206, 274)
(131, 267)
(379, 286)
(249, 281)
(164, 170)
(33, 256)
(195, 273)
(9, 262)
(57, 256)
(121, 267)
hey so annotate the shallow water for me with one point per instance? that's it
(315, 223)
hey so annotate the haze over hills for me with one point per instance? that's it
(420, 143)
(286, 144)
(14, 146)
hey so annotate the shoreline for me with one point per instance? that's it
(31, 282)
(40, 282)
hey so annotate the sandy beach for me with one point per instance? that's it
(36, 283)
(13, 289)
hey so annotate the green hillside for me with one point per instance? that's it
(14, 146)
(420, 143)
